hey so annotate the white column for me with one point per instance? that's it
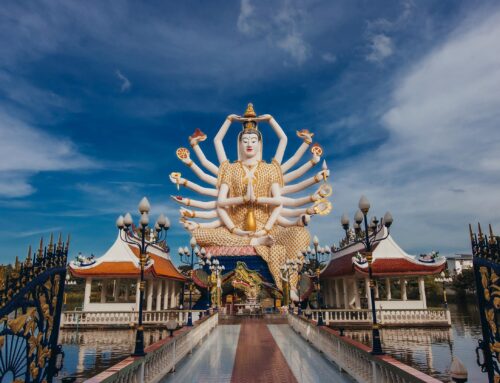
(173, 296)
(337, 293)
(149, 305)
(421, 290)
(165, 294)
(402, 282)
(368, 292)
(331, 283)
(116, 289)
(86, 298)
(356, 293)
(104, 285)
(127, 288)
(137, 294)
(159, 290)
(388, 288)
(344, 285)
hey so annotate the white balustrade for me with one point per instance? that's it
(403, 317)
(84, 319)
(161, 357)
(354, 358)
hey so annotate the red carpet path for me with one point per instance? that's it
(258, 357)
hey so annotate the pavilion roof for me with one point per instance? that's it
(122, 260)
(388, 259)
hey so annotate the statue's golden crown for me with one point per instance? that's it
(250, 113)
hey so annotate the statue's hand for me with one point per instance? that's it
(305, 219)
(233, 117)
(306, 135)
(264, 117)
(243, 233)
(187, 213)
(324, 174)
(190, 225)
(259, 233)
(316, 159)
(176, 180)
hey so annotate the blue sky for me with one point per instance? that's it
(96, 96)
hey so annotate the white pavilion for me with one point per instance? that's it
(400, 276)
(112, 280)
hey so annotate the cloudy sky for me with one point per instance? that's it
(96, 96)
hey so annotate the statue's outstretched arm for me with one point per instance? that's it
(207, 205)
(224, 201)
(191, 225)
(280, 151)
(195, 187)
(188, 213)
(301, 221)
(306, 136)
(219, 148)
(297, 212)
(306, 183)
(323, 191)
(301, 171)
(206, 163)
(200, 173)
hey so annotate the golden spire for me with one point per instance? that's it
(480, 232)
(492, 236)
(471, 233)
(28, 258)
(250, 112)
(67, 243)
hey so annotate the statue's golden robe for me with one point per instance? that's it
(289, 241)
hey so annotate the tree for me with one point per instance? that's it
(464, 283)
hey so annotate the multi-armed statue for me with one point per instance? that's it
(249, 197)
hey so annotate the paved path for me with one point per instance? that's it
(255, 352)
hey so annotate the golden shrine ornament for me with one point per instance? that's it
(322, 207)
(317, 150)
(182, 153)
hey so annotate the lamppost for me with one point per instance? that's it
(205, 260)
(287, 269)
(302, 261)
(444, 279)
(128, 235)
(217, 269)
(189, 260)
(368, 241)
(315, 265)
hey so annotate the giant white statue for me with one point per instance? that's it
(249, 199)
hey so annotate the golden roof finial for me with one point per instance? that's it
(17, 266)
(480, 232)
(250, 112)
(470, 232)
(492, 236)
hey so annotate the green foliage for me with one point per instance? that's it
(464, 283)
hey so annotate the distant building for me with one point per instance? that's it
(456, 263)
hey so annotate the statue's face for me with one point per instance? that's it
(250, 145)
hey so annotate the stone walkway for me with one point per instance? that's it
(255, 352)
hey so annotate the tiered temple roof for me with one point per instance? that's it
(389, 260)
(122, 261)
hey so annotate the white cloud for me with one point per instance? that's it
(125, 82)
(438, 170)
(281, 29)
(329, 57)
(381, 47)
(27, 151)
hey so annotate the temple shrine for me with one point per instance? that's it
(400, 276)
(112, 280)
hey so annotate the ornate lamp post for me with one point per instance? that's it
(368, 241)
(315, 264)
(287, 269)
(217, 269)
(444, 279)
(187, 257)
(139, 239)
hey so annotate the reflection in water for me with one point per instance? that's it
(89, 352)
(430, 350)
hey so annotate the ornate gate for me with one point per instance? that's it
(486, 261)
(31, 295)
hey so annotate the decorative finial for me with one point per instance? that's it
(67, 242)
(28, 258)
(250, 113)
(59, 242)
(471, 233)
(480, 232)
(40, 249)
(492, 236)
(51, 243)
